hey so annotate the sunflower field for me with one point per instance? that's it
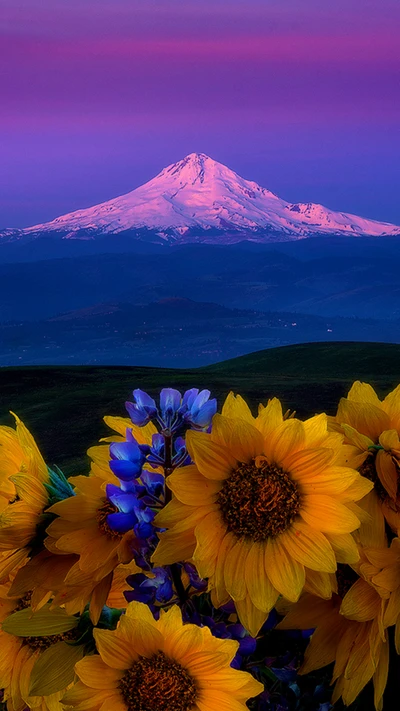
(208, 561)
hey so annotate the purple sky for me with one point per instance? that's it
(97, 96)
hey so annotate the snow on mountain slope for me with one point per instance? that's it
(198, 193)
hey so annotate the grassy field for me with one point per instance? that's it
(64, 406)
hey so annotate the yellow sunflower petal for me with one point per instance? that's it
(327, 515)
(244, 442)
(250, 616)
(361, 602)
(322, 648)
(262, 593)
(209, 533)
(387, 472)
(364, 417)
(212, 700)
(289, 437)
(344, 547)
(381, 676)
(219, 592)
(113, 649)
(284, 572)
(391, 405)
(309, 547)
(113, 703)
(84, 698)
(235, 581)
(372, 531)
(191, 487)
(363, 392)
(269, 418)
(235, 407)
(308, 464)
(94, 672)
(213, 460)
(319, 584)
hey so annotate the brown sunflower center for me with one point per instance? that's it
(368, 469)
(42, 643)
(259, 502)
(101, 518)
(346, 577)
(158, 684)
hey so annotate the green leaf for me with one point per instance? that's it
(26, 623)
(54, 669)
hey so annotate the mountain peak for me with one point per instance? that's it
(198, 199)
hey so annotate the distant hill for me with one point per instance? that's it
(64, 406)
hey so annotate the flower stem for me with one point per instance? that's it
(177, 580)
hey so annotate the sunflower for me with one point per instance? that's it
(372, 428)
(349, 630)
(23, 497)
(164, 665)
(386, 577)
(81, 529)
(266, 500)
(24, 640)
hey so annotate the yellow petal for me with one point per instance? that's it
(308, 464)
(209, 534)
(380, 676)
(288, 438)
(114, 650)
(94, 672)
(190, 487)
(235, 581)
(387, 472)
(309, 547)
(321, 650)
(372, 531)
(213, 460)
(262, 593)
(362, 442)
(361, 602)
(327, 515)
(319, 584)
(235, 407)
(245, 442)
(363, 392)
(269, 418)
(219, 591)
(285, 573)
(344, 547)
(364, 417)
(250, 616)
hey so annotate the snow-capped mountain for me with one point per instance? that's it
(198, 199)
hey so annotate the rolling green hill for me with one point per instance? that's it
(64, 406)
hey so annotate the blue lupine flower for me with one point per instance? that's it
(143, 409)
(127, 458)
(194, 409)
(150, 590)
(200, 410)
(195, 581)
(132, 514)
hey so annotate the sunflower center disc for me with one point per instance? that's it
(102, 513)
(158, 684)
(259, 502)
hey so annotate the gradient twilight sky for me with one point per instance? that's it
(97, 96)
